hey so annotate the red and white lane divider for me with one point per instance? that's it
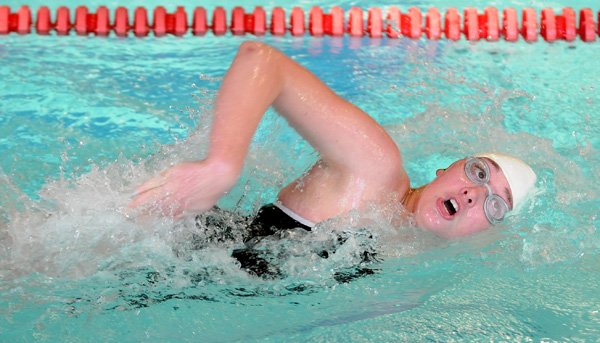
(473, 25)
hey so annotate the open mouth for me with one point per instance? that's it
(448, 208)
(451, 206)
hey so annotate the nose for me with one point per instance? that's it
(471, 195)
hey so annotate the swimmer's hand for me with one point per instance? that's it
(188, 187)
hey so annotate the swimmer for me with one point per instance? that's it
(359, 163)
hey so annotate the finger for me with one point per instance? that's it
(149, 185)
(147, 197)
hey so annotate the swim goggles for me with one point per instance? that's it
(478, 171)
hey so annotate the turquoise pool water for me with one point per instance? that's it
(86, 119)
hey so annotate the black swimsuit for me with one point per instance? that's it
(271, 220)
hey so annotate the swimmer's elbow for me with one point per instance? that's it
(261, 58)
(252, 48)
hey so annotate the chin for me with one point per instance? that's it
(443, 233)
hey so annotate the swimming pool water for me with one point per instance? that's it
(85, 119)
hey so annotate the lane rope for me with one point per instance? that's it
(471, 24)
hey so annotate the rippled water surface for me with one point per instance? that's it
(86, 119)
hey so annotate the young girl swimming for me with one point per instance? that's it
(359, 163)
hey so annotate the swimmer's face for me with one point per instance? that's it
(453, 206)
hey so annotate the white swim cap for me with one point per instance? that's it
(519, 175)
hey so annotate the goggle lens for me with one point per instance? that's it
(495, 208)
(477, 171)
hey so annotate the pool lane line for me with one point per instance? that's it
(474, 25)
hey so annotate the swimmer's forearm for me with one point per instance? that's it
(248, 89)
(252, 83)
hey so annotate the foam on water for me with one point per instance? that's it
(80, 227)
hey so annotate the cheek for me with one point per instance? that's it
(427, 218)
(472, 224)
(426, 213)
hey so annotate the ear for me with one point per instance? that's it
(439, 172)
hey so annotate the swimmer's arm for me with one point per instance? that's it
(348, 140)
(346, 137)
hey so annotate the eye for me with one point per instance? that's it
(480, 173)
(477, 171)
